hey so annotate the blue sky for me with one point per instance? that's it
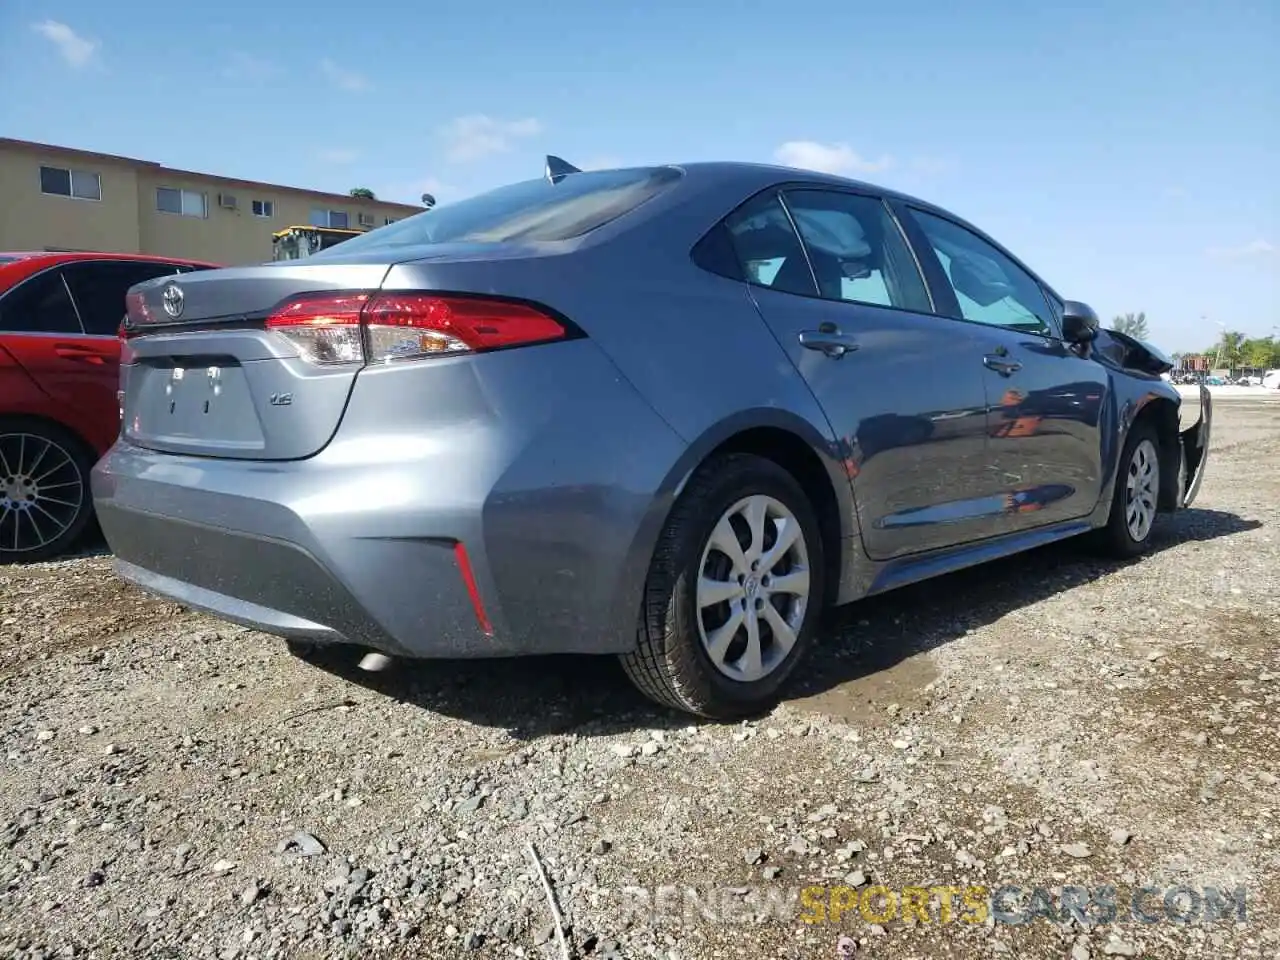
(1128, 151)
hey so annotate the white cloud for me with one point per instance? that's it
(338, 155)
(476, 136)
(1247, 251)
(838, 158)
(245, 66)
(76, 50)
(344, 79)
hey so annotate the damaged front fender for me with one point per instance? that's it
(1195, 449)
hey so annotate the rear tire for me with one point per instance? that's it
(45, 500)
(1135, 501)
(733, 594)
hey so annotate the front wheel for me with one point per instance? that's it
(45, 501)
(1135, 503)
(733, 593)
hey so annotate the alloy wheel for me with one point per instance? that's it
(41, 491)
(753, 588)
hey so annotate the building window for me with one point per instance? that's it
(264, 208)
(187, 203)
(328, 218)
(388, 221)
(78, 184)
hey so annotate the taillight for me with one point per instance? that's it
(386, 327)
(325, 329)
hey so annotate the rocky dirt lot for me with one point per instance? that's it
(171, 786)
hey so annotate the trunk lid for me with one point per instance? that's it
(201, 374)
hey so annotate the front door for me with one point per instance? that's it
(1044, 401)
(901, 387)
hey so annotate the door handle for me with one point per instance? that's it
(71, 352)
(1006, 368)
(829, 340)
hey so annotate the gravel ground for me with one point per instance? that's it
(171, 786)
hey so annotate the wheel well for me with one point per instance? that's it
(58, 425)
(1162, 414)
(795, 456)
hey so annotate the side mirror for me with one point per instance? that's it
(1079, 322)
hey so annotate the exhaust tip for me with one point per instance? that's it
(374, 662)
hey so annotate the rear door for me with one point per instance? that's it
(1044, 401)
(43, 333)
(901, 388)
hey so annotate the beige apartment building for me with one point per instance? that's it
(58, 198)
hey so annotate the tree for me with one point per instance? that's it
(363, 193)
(1260, 352)
(1133, 324)
(1228, 348)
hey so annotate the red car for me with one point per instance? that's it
(60, 315)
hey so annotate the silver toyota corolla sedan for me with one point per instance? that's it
(668, 413)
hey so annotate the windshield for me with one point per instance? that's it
(533, 210)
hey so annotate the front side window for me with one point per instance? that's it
(535, 210)
(80, 184)
(39, 304)
(186, 203)
(99, 288)
(990, 287)
(856, 250)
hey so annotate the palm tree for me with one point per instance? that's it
(1133, 324)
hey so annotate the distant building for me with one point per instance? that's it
(58, 198)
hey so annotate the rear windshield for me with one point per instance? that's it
(532, 210)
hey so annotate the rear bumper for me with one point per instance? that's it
(555, 500)
(269, 566)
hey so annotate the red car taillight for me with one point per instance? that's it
(384, 327)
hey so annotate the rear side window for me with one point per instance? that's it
(857, 251)
(533, 210)
(99, 288)
(39, 304)
(767, 247)
(848, 248)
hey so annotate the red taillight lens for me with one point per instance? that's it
(325, 329)
(407, 326)
(404, 326)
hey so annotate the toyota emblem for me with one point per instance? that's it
(172, 298)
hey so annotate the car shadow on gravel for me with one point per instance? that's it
(868, 655)
(865, 658)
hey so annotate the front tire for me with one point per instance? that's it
(1135, 502)
(45, 500)
(734, 591)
